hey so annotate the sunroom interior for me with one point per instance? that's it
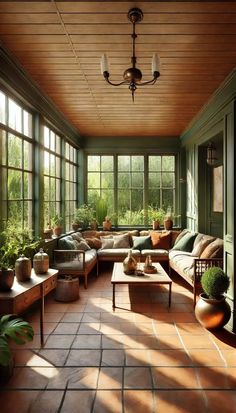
(69, 138)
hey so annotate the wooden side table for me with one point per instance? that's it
(24, 294)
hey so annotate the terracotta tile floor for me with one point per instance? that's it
(142, 358)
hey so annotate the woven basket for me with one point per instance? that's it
(67, 289)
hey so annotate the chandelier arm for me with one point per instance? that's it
(124, 82)
(150, 82)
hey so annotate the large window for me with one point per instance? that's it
(52, 174)
(16, 162)
(70, 183)
(131, 183)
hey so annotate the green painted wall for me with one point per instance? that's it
(217, 119)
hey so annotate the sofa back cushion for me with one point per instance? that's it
(200, 243)
(67, 243)
(142, 243)
(107, 242)
(161, 240)
(185, 243)
(94, 242)
(213, 250)
(121, 241)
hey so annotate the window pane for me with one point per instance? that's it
(52, 165)
(46, 188)
(15, 211)
(93, 196)
(137, 180)
(93, 163)
(46, 137)
(15, 116)
(28, 156)
(154, 198)
(137, 163)
(168, 180)
(52, 141)
(168, 163)
(2, 108)
(46, 162)
(14, 184)
(167, 199)
(123, 163)
(14, 151)
(93, 180)
(107, 180)
(124, 180)
(154, 163)
(27, 185)
(58, 144)
(3, 143)
(107, 163)
(27, 119)
(154, 180)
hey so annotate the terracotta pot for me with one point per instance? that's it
(106, 225)
(155, 225)
(74, 226)
(6, 279)
(47, 233)
(23, 268)
(57, 231)
(212, 313)
(168, 223)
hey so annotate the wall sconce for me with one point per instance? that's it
(211, 155)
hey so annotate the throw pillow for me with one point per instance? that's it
(107, 242)
(161, 240)
(201, 245)
(66, 243)
(213, 250)
(94, 243)
(185, 243)
(82, 245)
(121, 241)
(180, 235)
(142, 243)
(77, 236)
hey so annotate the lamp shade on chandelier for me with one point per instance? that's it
(132, 76)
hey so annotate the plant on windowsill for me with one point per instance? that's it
(101, 210)
(157, 216)
(56, 222)
(18, 330)
(211, 310)
(84, 215)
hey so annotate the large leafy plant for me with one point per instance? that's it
(15, 241)
(16, 329)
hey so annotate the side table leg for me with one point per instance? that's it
(42, 316)
(113, 297)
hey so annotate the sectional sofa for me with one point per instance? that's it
(184, 252)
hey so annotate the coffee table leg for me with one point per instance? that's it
(170, 294)
(113, 296)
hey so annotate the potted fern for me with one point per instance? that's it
(56, 222)
(16, 329)
(212, 311)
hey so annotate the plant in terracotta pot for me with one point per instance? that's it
(56, 222)
(157, 216)
(168, 219)
(18, 330)
(211, 310)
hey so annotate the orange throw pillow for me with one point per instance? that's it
(161, 240)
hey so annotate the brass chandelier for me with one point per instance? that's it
(133, 75)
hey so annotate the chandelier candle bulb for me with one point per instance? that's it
(104, 63)
(155, 63)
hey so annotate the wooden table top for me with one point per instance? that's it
(119, 277)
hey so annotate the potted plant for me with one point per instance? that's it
(18, 330)
(56, 222)
(168, 219)
(107, 224)
(15, 243)
(157, 216)
(211, 310)
(84, 215)
(101, 210)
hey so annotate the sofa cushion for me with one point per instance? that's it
(82, 245)
(155, 253)
(141, 243)
(94, 242)
(110, 252)
(213, 250)
(161, 240)
(200, 243)
(180, 235)
(121, 241)
(185, 243)
(107, 242)
(67, 243)
(77, 236)
(183, 264)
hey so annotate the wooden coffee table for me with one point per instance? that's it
(119, 277)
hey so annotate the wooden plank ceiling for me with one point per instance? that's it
(60, 44)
